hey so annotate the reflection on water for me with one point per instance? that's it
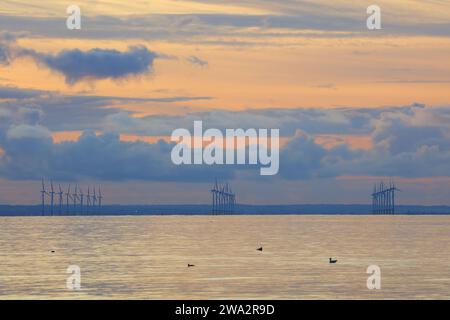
(147, 257)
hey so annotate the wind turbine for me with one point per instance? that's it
(75, 197)
(94, 199)
(52, 194)
(43, 193)
(219, 198)
(60, 194)
(374, 199)
(81, 200)
(394, 188)
(222, 198)
(227, 198)
(214, 191)
(99, 198)
(67, 199)
(88, 200)
(231, 200)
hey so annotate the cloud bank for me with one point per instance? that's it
(79, 112)
(411, 141)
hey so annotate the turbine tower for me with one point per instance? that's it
(60, 195)
(394, 188)
(94, 199)
(81, 200)
(74, 198)
(231, 200)
(67, 199)
(99, 198)
(52, 194)
(222, 198)
(374, 199)
(88, 200)
(227, 198)
(214, 192)
(43, 193)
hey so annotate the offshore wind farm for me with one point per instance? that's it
(69, 199)
(77, 203)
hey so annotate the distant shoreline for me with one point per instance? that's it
(224, 215)
(153, 210)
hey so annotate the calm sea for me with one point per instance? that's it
(146, 257)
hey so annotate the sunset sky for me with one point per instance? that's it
(97, 106)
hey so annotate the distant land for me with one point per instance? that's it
(326, 209)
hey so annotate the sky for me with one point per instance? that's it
(354, 106)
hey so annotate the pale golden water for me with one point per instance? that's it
(147, 257)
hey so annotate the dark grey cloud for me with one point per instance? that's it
(19, 93)
(196, 60)
(8, 36)
(302, 158)
(30, 154)
(5, 58)
(8, 46)
(4, 55)
(357, 121)
(81, 112)
(413, 142)
(78, 65)
(5, 39)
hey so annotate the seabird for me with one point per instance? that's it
(260, 249)
(191, 265)
(333, 261)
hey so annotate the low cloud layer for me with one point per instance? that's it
(314, 121)
(411, 141)
(80, 112)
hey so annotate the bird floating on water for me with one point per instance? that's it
(191, 265)
(333, 261)
(260, 249)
